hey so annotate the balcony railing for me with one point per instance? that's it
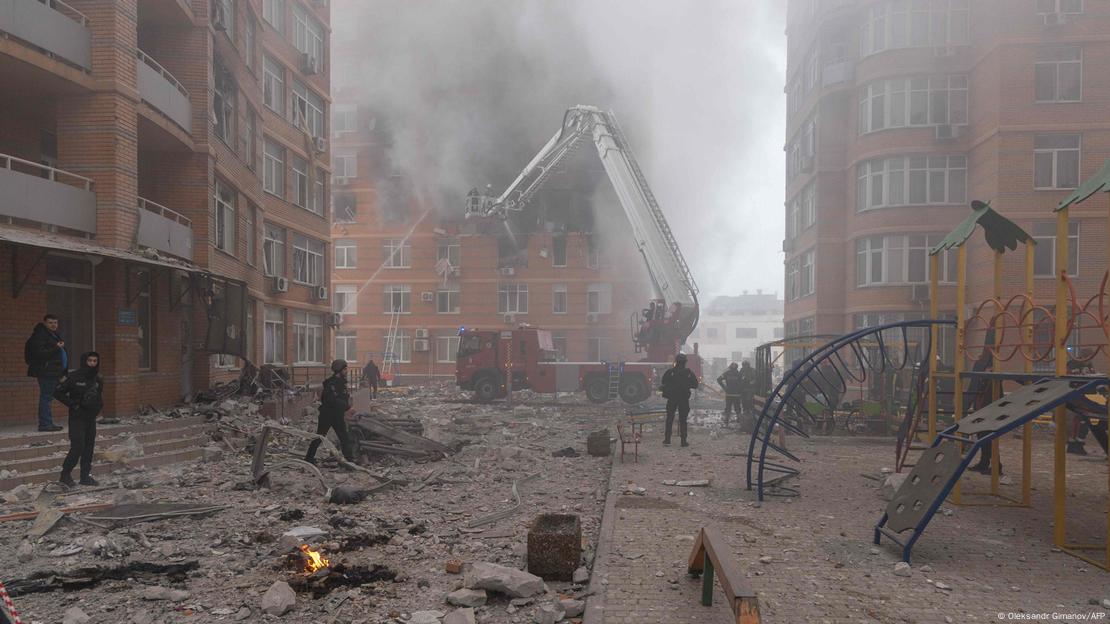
(43, 194)
(161, 90)
(51, 25)
(165, 230)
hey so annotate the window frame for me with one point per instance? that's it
(397, 252)
(404, 291)
(347, 249)
(308, 338)
(1056, 65)
(311, 260)
(1055, 153)
(349, 340)
(273, 85)
(450, 338)
(224, 213)
(273, 249)
(273, 13)
(273, 335)
(451, 292)
(345, 299)
(518, 291)
(556, 290)
(1047, 242)
(273, 167)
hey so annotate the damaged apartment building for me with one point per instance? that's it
(164, 174)
(410, 270)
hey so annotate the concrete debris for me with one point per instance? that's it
(572, 608)
(902, 569)
(74, 615)
(597, 444)
(467, 597)
(581, 575)
(549, 613)
(694, 483)
(460, 616)
(157, 592)
(438, 520)
(279, 599)
(509, 581)
(891, 484)
(426, 617)
(124, 453)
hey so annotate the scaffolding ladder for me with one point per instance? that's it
(390, 354)
(615, 373)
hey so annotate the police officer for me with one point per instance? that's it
(676, 385)
(335, 401)
(730, 382)
(83, 393)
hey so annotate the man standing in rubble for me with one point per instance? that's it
(83, 393)
(676, 385)
(730, 383)
(335, 402)
(45, 356)
(371, 376)
(747, 391)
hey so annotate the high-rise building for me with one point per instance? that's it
(164, 176)
(900, 113)
(732, 327)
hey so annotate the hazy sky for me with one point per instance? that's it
(474, 86)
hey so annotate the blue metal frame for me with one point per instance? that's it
(802, 374)
(976, 445)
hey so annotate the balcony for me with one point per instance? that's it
(165, 230)
(837, 72)
(162, 91)
(50, 25)
(35, 192)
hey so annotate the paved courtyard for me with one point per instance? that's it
(969, 566)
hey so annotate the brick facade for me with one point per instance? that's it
(98, 125)
(1003, 117)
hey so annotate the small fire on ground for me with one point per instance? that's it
(313, 560)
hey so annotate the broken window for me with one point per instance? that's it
(344, 207)
(397, 299)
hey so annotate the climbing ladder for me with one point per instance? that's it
(390, 354)
(615, 372)
(942, 464)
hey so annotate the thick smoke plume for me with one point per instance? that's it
(470, 89)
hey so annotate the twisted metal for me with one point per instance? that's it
(824, 375)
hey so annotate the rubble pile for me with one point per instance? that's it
(439, 537)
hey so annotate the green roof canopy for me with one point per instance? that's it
(1001, 233)
(1098, 182)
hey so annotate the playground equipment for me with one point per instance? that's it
(1013, 340)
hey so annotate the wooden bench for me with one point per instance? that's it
(710, 558)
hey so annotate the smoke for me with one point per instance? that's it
(470, 89)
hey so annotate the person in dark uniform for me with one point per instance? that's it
(45, 356)
(747, 390)
(83, 393)
(371, 375)
(335, 402)
(676, 385)
(731, 383)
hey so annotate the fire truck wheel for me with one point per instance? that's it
(597, 389)
(486, 388)
(633, 389)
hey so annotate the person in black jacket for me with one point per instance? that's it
(732, 384)
(335, 401)
(676, 385)
(46, 360)
(371, 375)
(83, 393)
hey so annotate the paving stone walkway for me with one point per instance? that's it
(981, 561)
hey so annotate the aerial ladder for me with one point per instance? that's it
(661, 328)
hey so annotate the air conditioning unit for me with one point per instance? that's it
(947, 132)
(219, 20)
(419, 345)
(310, 65)
(1054, 19)
(807, 164)
(509, 318)
(281, 284)
(919, 293)
(320, 293)
(334, 319)
(321, 145)
(341, 181)
(427, 297)
(591, 318)
(508, 271)
(422, 333)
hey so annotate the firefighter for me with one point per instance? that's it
(371, 376)
(747, 391)
(335, 402)
(676, 385)
(83, 393)
(731, 383)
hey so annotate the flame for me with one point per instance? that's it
(313, 560)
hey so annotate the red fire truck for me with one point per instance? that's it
(491, 361)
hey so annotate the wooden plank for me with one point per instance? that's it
(711, 552)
